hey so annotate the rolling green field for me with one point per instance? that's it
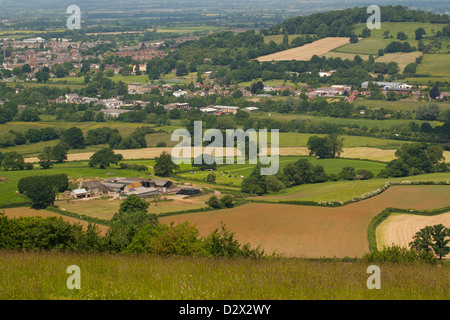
(279, 38)
(292, 139)
(238, 171)
(435, 65)
(121, 277)
(399, 105)
(345, 190)
(370, 123)
(367, 46)
(376, 41)
(408, 28)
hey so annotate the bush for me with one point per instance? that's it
(222, 244)
(226, 202)
(37, 233)
(213, 202)
(399, 254)
(181, 239)
(441, 167)
(363, 175)
(348, 173)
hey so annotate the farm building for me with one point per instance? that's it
(95, 186)
(79, 194)
(389, 86)
(143, 192)
(189, 191)
(162, 183)
(178, 105)
(114, 112)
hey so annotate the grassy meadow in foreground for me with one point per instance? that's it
(32, 275)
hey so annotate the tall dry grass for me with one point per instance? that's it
(42, 275)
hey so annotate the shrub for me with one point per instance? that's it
(223, 244)
(348, 173)
(213, 202)
(226, 202)
(363, 174)
(181, 239)
(399, 254)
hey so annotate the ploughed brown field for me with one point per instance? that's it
(28, 212)
(307, 51)
(313, 232)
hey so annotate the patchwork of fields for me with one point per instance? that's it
(303, 231)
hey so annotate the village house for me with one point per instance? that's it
(251, 109)
(112, 103)
(180, 93)
(326, 74)
(114, 113)
(178, 105)
(72, 98)
(226, 109)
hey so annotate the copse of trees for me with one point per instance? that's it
(397, 46)
(13, 161)
(302, 172)
(42, 190)
(73, 138)
(330, 146)
(104, 158)
(415, 158)
(32, 135)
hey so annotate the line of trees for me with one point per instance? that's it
(132, 230)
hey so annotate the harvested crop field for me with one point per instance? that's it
(399, 229)
(402, 58)
(307, 51)
(313, 232)
(105, 209)
(28, 212)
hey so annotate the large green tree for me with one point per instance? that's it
(432, 239)
(45, 158)
(73, 138)
(164, 166)
(104, 158)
